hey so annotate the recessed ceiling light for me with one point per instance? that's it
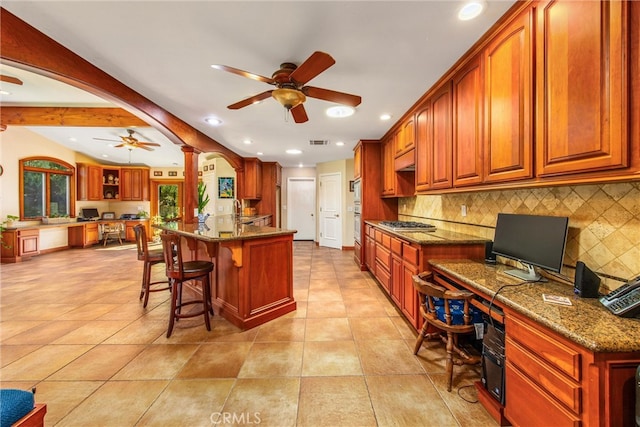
(471, 10)
(247, 141)
(340, 111)
(300, 165)
(213, 121)
(4, 92)
(72, 139)
(293, 151)
(385, 116)
(105, 155)
(259, 153)
(339, 143)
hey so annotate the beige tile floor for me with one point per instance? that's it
(72, 326)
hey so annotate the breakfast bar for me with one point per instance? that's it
(252, 282)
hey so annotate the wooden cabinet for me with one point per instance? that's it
(357, 161)
(372, 206)
(468, 98)
(83, 235)
(396, 182)
(424, 134)
(252, 179)
(581, 90)
(130, 233)
(369, 248)
(388, 171)
(405, 139)
(396, 290)
(19, 244)
(508, 123)
(89, 182)
(409, 303)
(270, 201)
(134, 184)
(440, 174)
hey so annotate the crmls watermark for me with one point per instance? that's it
(231, 418)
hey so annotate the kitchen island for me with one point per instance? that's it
(252, 282)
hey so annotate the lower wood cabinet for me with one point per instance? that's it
(19, 244)
(84, 235)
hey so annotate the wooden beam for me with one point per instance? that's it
(67, 116)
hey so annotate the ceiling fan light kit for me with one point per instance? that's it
(289, 98)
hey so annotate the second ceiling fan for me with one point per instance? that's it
(290, 82)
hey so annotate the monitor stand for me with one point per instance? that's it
(528, 275)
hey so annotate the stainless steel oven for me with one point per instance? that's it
(357, 226)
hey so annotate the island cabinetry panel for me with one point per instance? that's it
(89, 181)
(582, 91)
(468, 98)
(134, 184)
(508, 130)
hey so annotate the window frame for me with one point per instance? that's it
(71, 173)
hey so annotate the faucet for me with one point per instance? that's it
(237, 208)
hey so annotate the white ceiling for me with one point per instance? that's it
(388, 52)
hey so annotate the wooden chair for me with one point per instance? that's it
(451, 313)
(150, 258)
(111, 229)
(178, 272)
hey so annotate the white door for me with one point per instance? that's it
(301, 207)
(330, 209)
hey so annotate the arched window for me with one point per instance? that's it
(47, 188)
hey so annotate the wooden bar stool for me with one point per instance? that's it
(178, 272)
(452, 315)
(150, 258)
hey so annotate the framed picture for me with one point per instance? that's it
(199, 173)
(157, 173)
(225, 188)
(205, 168)
(108, 215)
(351, 186)
(173, 173)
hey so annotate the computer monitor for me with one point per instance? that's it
(534, 240)
(89, 213)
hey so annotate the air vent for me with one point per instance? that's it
(318, 142)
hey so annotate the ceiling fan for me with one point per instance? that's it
(9, 79)
(290, 82)
(130, 142)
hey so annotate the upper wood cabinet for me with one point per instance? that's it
(581, 90)
(467, 123)
(424, 133)
(89, 182)
(357, 161)
(134, 184)
(508, 110)
(440, 175)
(405, 139)
(252, 182)
(388, 170)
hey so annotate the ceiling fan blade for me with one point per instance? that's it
(148, 144)
(9, 79)
(120, 145)
(244, 74)
(332, 96)
(144, 147)
(299, 114)
(249, 101)
(110, 140)
(314, 65)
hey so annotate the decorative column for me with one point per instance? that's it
(190, 183)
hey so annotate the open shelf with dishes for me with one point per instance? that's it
(110, 183)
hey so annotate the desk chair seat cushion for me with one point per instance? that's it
(457, 311)
(14, 404)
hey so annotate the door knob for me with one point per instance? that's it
(337, 215)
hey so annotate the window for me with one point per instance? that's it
(47, 188)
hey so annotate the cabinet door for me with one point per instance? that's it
(91, 234)
(410, 298)
(423, 142)
(388, 178)
(89, 182)
(252, 182)
(581, 86)
(405, 137)
(357, 161)
(509, 103)
(440, 175)
(467, 123)
(396, 280)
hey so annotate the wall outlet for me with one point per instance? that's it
(195, 211)
(220, 208)
(463, 210)
(349, 208)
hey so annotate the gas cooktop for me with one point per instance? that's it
(407, 226)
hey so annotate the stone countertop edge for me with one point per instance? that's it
(586, 322)
(249, 232)
(73, 223)
(437, 237)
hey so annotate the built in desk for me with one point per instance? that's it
(565, 365)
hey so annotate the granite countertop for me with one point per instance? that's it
(437, 237)
(72, 222)
(223, 228)
(586, 322)
(245, 219)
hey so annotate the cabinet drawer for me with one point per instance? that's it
(396, 246)
(528, 405)
(383, 276)
(383, 256)
(557, 385)
(411, 254)
(545, 347)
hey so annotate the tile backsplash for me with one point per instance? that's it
(604, 220)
